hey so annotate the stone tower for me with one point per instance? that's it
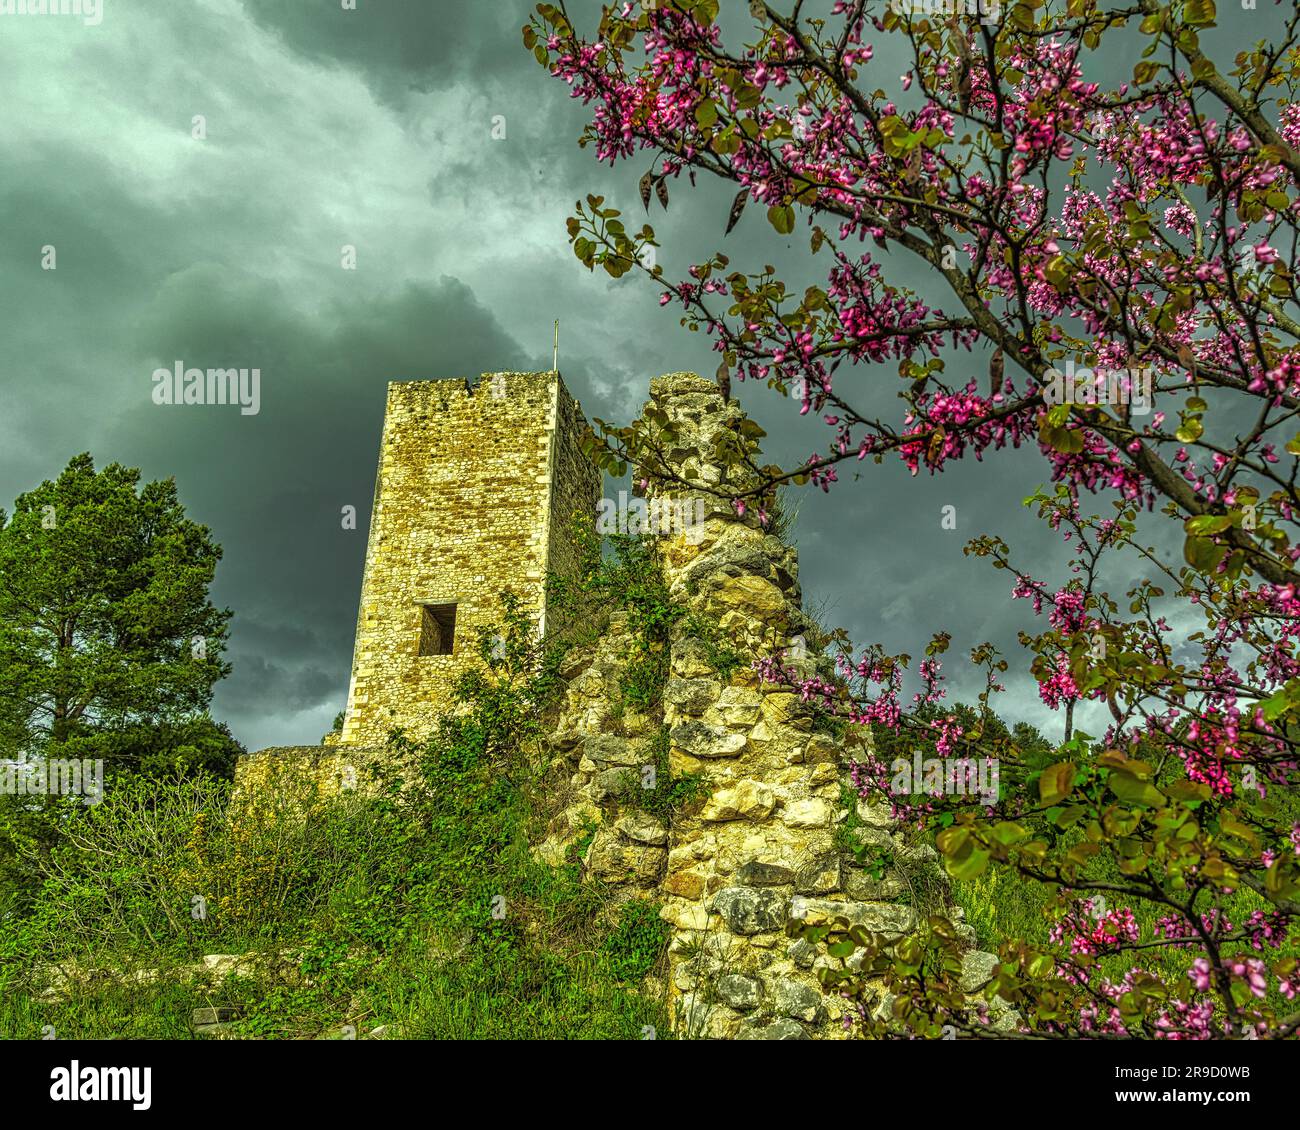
(475, 493)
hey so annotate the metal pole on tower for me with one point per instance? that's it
(555, 361)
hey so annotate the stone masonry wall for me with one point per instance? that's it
(320, 770)
(763, 849)
(765, 836)
(605, 749)
(576, 486)
(760, 848)
(474, 494)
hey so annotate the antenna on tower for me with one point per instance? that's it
(555, 360)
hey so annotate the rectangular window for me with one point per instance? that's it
(437, 629)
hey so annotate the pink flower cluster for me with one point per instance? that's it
(1090, 932)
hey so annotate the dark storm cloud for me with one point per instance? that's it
(400, 47)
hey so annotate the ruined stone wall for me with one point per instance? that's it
(763, 845)
(475, 489)
(760, 847)
(324, 771)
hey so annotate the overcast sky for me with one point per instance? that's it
(374, 128)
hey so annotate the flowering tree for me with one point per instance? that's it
(1120, 261)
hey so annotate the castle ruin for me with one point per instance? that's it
(475, 492)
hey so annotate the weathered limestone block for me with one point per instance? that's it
(686, 884)
(819, 877)
(604, 750)
(690, 659)
(875, 815)
(920, 855)
(700, 740)
(812, 812)
(775, 743)
(611, 784)
(643, 828)
(617, 861)
(796, 1000)
(713, 1022)
(553, 851)
(736, 708)
(575, 662)
(686, 853)
(741, 553)
(741, 993)
(823, 777)
(863, 887)
(776, 1030)
(1004, 1017)
(803, 953)
(745, 800)
(820, 749)
(782, 708)
(773, 842)
(888, 919)
(751, 910)
(684, 915)
(691, 696)
(756, 874)
(742, 602)
(977, 969)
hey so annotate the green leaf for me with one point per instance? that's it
(1280, 879)
(781, 217)
(972, 866)
(706, 113)
(1071, 815)
(1133, 790)
(1278, 704)
(1056, 782)
(1007, 832)
(1208, 524)
(706, 12)
(1231, 826)
(1202, 554)
(1188, 792)
(1066, 440)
